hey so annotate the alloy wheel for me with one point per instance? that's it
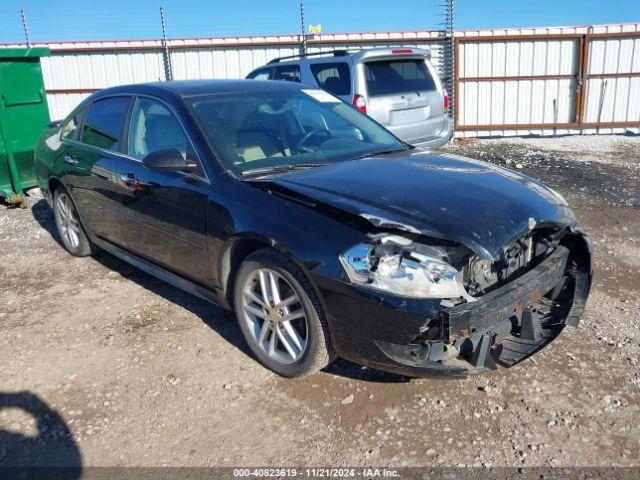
(275, 316)
(68, 221)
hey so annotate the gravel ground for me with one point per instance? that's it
(102, 365)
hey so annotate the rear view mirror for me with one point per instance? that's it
(166, 160)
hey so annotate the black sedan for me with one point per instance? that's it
(325, 233)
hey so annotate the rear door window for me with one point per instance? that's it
(288, 73)
(333, 77)
(104, 124)
(262, 74)
(388, 77)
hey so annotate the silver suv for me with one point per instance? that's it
(398, 87)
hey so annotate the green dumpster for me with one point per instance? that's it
(24, 115)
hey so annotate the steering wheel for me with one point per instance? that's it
(309, 136)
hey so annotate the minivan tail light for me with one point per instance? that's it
(446, 100)
(399, 51)
(360, 103)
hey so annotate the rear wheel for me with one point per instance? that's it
(280, 315)
(70, 228)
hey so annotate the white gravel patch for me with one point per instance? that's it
(586, 148)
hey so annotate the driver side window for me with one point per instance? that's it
(153, 127)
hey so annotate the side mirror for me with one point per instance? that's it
(165, 160)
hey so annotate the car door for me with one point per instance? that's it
(165, 220)
(91, 161)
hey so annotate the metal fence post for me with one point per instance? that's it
(303, 35)
(25, 27)
(449, 69)
(168, 70)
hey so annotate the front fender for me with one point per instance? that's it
(239, 212)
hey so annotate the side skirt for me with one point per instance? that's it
(214, 296)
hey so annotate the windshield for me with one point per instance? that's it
(279, 129)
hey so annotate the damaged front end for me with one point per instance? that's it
(519, 306)
(398, 265)
(417, 299)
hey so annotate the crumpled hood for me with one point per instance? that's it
(444, 196)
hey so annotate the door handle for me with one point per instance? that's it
(131, 182)
(70, 160)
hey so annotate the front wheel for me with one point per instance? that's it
(70, 228)
(280, 315)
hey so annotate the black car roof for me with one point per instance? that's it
(186, 88)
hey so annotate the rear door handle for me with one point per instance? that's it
(70, 160)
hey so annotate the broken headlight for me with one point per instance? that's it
(394, 264)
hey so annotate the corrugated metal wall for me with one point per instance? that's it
(76, 69)
(548, 81)
(509, 81)
(498, 84)
(613, 75)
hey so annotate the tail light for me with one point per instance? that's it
(360, 103)
(446, 100)
(399, 51)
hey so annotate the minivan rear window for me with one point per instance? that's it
(387, 77)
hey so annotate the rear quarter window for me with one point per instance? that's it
(262, 74)
(288, 73)
(69, 130)
(387, 77)
(333, 77)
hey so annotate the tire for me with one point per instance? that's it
(70, 227)
(318, 351)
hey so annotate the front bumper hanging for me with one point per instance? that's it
(504, 326)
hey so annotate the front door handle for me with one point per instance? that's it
(70, 160)
(131, 182)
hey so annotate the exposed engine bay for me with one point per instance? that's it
(523, 253)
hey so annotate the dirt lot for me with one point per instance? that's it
(118, 368)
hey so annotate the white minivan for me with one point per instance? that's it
(398, 87)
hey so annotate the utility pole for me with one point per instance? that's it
(25, 27)
(450, 53)
(168, 70)
(303, 37)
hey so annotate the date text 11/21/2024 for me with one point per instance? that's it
(316, 472)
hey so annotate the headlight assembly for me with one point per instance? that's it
(396, 266)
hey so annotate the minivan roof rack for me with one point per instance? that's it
(335, 53)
